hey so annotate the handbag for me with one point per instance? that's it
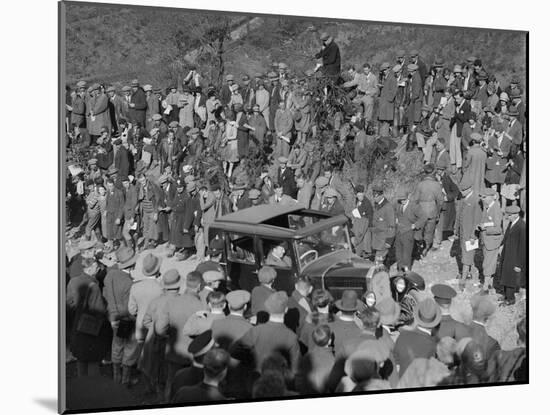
(88, 323)
(125, 327)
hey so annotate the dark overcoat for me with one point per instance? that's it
(514, 254)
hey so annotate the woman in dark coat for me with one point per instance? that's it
(84, 297)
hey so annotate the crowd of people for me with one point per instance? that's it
(137, 188)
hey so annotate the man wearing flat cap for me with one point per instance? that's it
(78, 104)
(186, 105)
(330, 56)
(490, 235)
(138, 104)
(98, 111)
(117, 109)
(153, 106)
(514, 254)
(416, 95)
(449, 327)
(387, 99)
(230, 329)
(225, 92)
(263, 340)
(429, 196)
(467, 221)
(117, 285)
(260, 293)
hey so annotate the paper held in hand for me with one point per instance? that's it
(471, 246)
(355, 213)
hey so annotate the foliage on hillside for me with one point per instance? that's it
(116, 44)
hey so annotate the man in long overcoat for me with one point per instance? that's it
(387, 100)
(99, 111)
(138, 104)
(514, 254)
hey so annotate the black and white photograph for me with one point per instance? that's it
(259, 207)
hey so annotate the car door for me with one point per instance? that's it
(241, 260)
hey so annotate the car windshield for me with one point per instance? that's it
(321, 243)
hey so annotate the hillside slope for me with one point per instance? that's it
(115, 44)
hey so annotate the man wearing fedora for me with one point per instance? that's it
(410, 221)
(418, 341)
(344, 325)
(429, 196)
(173, 315)
(449, 327)
(138, 104)
(116, 290)
(514, 254)
(146, 288)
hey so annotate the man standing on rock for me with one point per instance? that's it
(330, 55)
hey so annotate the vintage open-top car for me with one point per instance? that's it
(311, 243)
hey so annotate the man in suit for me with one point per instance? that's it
(276, 257)
(316, 365)
(263, 340)
(448, 327)
(482, 309)
(382, 228)
(78, 105)
(410, 219)
(422, 69)
(138, 104)
(117, 285)
(228, 330)
(491, 235)
(447, 216)
(418, 341)
(331, 203)
(285, 177)
(387, 99)
(514, 254)
(460, 117)
(330, 55)
(467, 221)
(515, 130)
(416, 95)
(191, 375)
(225, 92)
(114, 213)
(260, 293)
(429, 196)
(216, 362)
(200, 322)
(274, 98)
(171, 320)
(299, 304)
(441, 157)
(280, 197)
(361, 224)
(344, 326)
(121, 158)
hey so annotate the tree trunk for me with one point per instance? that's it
(221, 63)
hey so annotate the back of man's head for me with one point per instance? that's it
(194, 281)
(322, 335)
(215, 362)
(216, 299)
(370, 319)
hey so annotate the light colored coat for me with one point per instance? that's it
(141, 294)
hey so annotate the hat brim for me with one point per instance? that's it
(129, 263)
(427, 324)
(339, 306)
(154, 270)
